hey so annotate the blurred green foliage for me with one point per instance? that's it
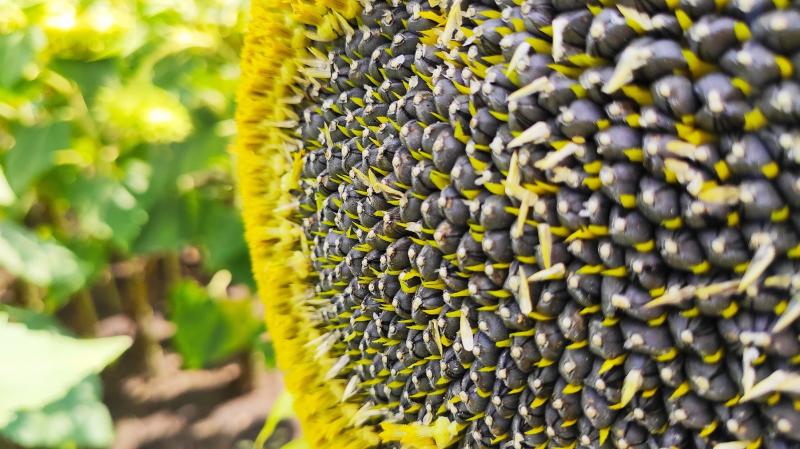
(115, 120)
(115, 117)
(208, 329)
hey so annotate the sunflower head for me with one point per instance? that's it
(528, 224)
(100, 30)
(12, 17)
(142, 113)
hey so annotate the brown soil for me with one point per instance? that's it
(178, 409)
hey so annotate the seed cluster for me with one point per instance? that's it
(561, 223)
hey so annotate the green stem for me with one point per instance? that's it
(171, 270)
(29, 296)
(140, 309)
(84, 314)
(109, 292)
(145, 71)
(248, 364)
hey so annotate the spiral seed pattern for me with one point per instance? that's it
(560, 223)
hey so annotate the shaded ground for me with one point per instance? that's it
(177, 409)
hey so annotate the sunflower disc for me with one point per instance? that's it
(528, 223)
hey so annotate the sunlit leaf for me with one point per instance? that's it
(7, 195)
(46, 365)
(79, 418)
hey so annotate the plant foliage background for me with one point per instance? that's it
(115, 118)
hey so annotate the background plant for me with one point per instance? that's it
(116, 192)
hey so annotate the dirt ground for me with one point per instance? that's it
(179, 409)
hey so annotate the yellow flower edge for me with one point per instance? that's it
(276, 65)
(272, 70)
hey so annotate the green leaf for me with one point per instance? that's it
(267, 350)
(16, 51)
(173, 215)
(203, 150)
(78, 419)
(162, 183)
(33, 320)
(137, 174)
(89, 75)
(221, 236)
(209, 330)
(33, 153)
(171, 71)
(106, 210)
(6, 194)
(46, 365)
(281, 409)
(170, 227)
(92, 254)
(43, 263)
(299, 443)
